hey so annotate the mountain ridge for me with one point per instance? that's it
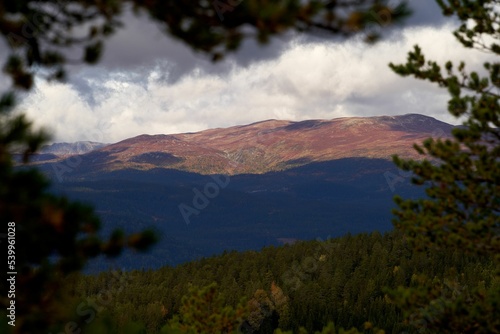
(269, 145)
(64, 148)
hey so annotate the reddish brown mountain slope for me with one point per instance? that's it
(271, 145)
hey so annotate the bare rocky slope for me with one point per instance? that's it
(270, 145)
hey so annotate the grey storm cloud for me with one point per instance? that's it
(150, 83)
(142, 45)
(142, 42)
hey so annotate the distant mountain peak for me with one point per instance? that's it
(261, 147)
(65, 149)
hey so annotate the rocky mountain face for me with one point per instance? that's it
(265, 146)
(66, 149)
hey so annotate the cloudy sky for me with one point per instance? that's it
(149, 83)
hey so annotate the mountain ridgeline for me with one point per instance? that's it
(246, 187)
(260, 147)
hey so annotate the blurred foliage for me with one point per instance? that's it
(54, 237)
(462, 209)
(46, 33)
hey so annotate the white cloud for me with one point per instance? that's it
(308, 80)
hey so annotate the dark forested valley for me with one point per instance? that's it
(319, 200)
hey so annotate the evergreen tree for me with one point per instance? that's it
(53, 236)
(462, 209)
(203, 311)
